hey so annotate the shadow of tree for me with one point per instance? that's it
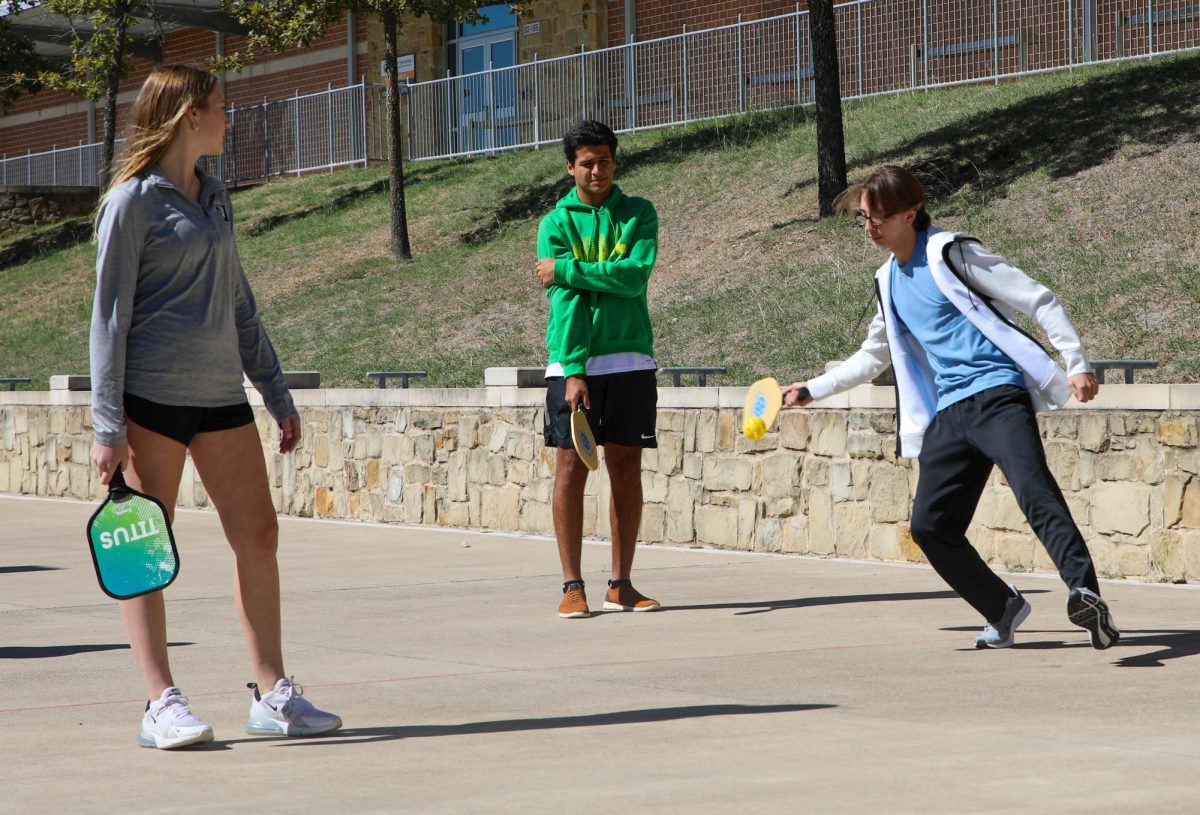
(519, 204)
(339, 201)
(65, 234)
(15, 569)
(54, 651)
(1061, 133)
(522, 202)
(365, 735)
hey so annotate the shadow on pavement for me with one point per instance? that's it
(360, 735)
(1174, 645)
(761, 606)
(53, 651)
(15, 569)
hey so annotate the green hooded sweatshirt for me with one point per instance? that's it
(604, 256)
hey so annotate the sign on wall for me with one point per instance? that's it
(406, 66)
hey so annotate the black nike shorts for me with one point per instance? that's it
(183, 422)
(624, 409)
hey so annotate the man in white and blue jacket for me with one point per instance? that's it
(968, 383)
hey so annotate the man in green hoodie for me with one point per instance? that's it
(596, 250)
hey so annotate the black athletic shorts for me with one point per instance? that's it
(624, 409)
(183, 422)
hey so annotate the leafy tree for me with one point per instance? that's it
(99, 45)
(831, 141)
(278, 24)
(19, 63)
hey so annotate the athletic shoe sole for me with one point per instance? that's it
(1091, 613)
(575, 615)
(1012, 631)
(151, 740)
(271, 727)
(610, 606)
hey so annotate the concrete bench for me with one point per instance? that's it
(296, 380)
(403, 376)
(1126, 365)
(701, 372)
(13, 381)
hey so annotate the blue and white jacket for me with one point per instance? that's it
(987, 290)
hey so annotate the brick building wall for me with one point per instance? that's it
(665, 18)
(40, 121)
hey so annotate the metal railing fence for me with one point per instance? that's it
(884, 46)
(303, 133)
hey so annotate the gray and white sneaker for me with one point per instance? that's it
(169, 723)
(285, 712)
(1000, 633)
(1088, 610)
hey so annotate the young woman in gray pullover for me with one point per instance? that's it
(174, 326)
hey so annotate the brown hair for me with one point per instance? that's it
(165, 98)
(889, 189)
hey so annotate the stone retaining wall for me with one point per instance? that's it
(22, 208)
(826, 481)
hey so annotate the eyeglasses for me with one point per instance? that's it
(861, 219)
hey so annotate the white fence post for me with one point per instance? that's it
(537, 105)
(296, 126)
(266, 137)
(996, 40)
(1150, 23)
(925, 43)
(362, 107)
(686, 76)
(1071, 35)
(799, 59)
(741, 72)
(858, 14)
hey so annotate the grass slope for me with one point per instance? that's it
(1090, 181)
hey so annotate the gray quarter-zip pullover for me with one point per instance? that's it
(174, 320)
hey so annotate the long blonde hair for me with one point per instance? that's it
(164, 100)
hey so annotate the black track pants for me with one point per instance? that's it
(995, 426)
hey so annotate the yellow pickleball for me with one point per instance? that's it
(754, 428)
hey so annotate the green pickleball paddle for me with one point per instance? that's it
(132, 546)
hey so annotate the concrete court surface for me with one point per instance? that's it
(768, 684)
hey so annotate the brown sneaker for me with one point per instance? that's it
(574, 602)
(622, 596)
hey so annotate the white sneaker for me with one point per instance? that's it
(285, 711)
(1000, 633)
(170, 723)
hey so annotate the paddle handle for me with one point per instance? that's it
(117, 484)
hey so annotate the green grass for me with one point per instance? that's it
(1090, 181)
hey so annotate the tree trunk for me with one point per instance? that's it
(112, 88)
(831, 142)
(400, 245)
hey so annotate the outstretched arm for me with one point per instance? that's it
(868, 362)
